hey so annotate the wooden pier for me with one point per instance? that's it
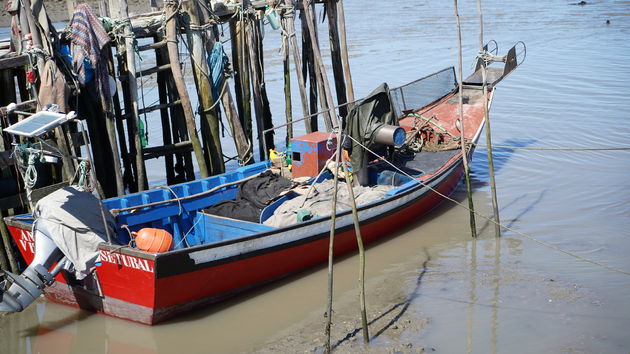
(37, 68)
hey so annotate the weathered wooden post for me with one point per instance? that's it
(261, 104)
(308, 69)
(178, 76)
(208, 114)
(335, 55)
(286, 64)
(344, 50)
(288, 25)
(133, 95)
(240, 63)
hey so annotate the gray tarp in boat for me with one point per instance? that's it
(319, 202)
(72, 219)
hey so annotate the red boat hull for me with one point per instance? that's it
(132, 286)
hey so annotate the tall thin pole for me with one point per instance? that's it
(493, 186)
(335, 124)
(331, 246)
(471, 207)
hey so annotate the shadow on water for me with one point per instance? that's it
(500, 158)
(57, 324)
(519, 216)
(400, 308)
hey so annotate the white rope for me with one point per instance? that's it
(614, 269)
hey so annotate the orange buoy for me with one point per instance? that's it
(153, 240)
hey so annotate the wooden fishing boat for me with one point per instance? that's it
(217, 257)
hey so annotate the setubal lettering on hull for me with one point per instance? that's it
(125, 260)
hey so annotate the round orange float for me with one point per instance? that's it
(153, 240)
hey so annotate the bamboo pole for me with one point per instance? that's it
(471, 208)
(493, 185)
(178, 76)
(344, 50)
(209, 115)
(133, 95)
(334, 122)
(288, 22)
(331, 247)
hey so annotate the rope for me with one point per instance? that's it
(614, 269)
(428, 121)
(556, 149)
(179, 203)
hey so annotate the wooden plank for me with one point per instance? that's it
(13, 60)
(171, 149)
(153, 70)
(152, 46)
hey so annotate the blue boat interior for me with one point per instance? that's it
(183, 215)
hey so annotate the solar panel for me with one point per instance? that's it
(37, 124)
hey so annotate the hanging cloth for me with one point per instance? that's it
(88, 38)
(217, 62)
(54, 89)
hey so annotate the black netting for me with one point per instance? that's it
(419, 93)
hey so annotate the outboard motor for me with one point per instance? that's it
(29, 285)
(68, 228)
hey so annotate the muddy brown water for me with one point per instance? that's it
(430, 286)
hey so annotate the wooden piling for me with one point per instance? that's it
(169, 165)
(243, 145)
(471, 207)
(261, 104)
(184, 169)
(344, 50)
(286, 64)
(240, 61)
(178, 76)
(288, 24)
(133, 95)
(208, 114)
(335, 56)
(486, 111)
(319, 67)
(110, 123)
(308, 70)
